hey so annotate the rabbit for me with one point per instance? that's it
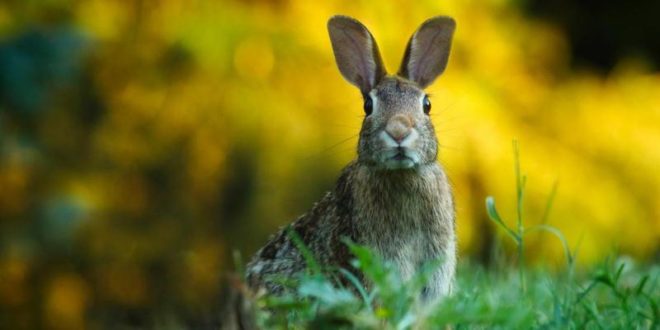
(394, 198)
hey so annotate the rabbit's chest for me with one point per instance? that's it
(409, 220)
(406, 239)
(407, 251)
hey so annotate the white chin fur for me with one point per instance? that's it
(390, 162)
(399, 164)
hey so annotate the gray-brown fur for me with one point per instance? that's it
(394, 198)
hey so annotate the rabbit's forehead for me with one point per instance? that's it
(394, 92)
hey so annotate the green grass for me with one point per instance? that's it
(617, 294)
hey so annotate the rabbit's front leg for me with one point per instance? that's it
(441, 282)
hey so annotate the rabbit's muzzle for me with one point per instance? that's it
(399, 143)
(399, 128)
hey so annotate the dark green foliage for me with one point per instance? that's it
(618, 294)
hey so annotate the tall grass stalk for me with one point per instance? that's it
(518, 235)
(520, 188)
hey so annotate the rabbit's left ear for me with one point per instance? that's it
(427, 52)
(356, 52)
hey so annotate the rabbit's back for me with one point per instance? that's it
(321, 232)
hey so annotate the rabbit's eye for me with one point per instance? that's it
(368, 106)
(427, 105)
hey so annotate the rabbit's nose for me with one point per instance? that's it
(399, 127)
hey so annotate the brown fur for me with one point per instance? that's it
(395, 198)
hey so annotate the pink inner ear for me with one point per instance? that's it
(363, 65)
(355, 52)
(414, 62)
(428, 51)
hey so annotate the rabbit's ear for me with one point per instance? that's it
(356, 53)
(428, 51)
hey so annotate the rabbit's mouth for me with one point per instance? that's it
(400, 158)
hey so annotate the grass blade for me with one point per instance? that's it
(495, 217)
(358, 286)
(558, 234)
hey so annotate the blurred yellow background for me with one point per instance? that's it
(141, 142)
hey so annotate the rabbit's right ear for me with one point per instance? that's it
(428, 51)
(356, 53)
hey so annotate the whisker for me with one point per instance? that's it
(326, 150)
(341, 142)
